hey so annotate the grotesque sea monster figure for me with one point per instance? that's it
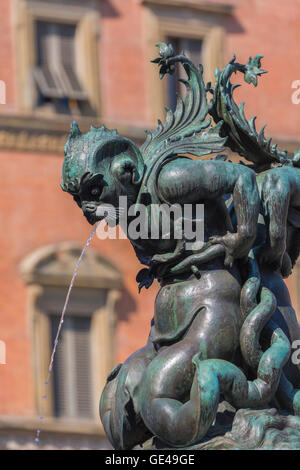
(223, 324)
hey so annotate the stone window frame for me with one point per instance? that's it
(39, 279)
(86, 17)
(294, 282)
(165, 18)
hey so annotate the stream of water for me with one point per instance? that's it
(50, 368)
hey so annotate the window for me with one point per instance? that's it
(58, 56)
(74, 392)
(55, 73)
(85, 352)
(193, 50)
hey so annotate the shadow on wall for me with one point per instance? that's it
(126, 306)
(233, 26)
(108, 10)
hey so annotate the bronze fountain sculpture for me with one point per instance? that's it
(223, 326)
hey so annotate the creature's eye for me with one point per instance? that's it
(95, 192)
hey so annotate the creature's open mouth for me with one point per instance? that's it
(96, 215)
(91, 217)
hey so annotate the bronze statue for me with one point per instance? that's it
(223, 324)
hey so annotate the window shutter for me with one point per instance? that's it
(60, 380)
(55, 73)
(68, 76)
(82, 356)
(86, 64)
(72, 369)
(46, 72)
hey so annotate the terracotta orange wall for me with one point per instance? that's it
(123, 66)
(35, 212)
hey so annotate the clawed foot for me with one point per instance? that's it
(236, 246)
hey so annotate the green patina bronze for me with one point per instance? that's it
(217, 370)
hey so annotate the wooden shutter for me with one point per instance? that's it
(71, 84)
(46, 72)
(55, 73)
(72, 374)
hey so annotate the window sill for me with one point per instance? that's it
(36, 121)
(52, 425)
(214, 8)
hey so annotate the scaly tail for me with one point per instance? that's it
(214, 377)
(258, 317)
(251, 287)
(253, 326)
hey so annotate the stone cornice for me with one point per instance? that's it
(45, 135)
(51, 425)
(215, 8)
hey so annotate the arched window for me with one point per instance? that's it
(85, 353)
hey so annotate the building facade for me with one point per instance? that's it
(90, 60)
